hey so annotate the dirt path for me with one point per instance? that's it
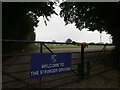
(109, 79)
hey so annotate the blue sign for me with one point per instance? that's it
(49, 64)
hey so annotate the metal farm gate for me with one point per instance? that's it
(16, 66)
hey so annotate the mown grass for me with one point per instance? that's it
(61, 46)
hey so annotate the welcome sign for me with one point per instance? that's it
(49, 64)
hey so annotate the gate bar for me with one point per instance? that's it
(82, 61)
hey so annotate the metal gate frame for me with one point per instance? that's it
(80, 72)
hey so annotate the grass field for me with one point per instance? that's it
(74, 46)
(62, 46)
(33, 47)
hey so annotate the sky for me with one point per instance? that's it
(56, 30)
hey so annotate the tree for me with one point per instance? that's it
(94, 16)
(53, 41)
(68, 40)
(20, 18)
